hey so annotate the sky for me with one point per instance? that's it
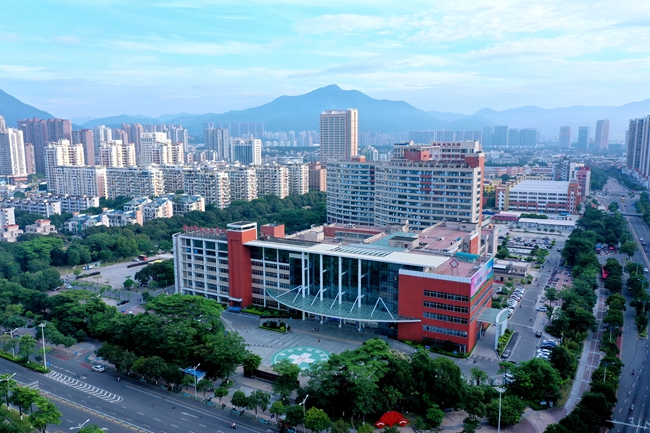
(80, 58)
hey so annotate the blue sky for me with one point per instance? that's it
(77, 58)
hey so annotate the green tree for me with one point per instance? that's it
(479, 377)
(26, 346)
(294, 414)
(251, 362)
(221, 392)
(613, 206)
(204, 385)
(259, 399)
(288, 380)
(365, 428)
(340, 427)
(46, 414)
(473, 402)
(24, 397)
(278, 408)
(536, 380)
(511, 410)
(317, 420)
(435, 415)
(564, 362)
(239, 399)
(629, 248)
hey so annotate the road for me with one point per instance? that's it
(632, 407)
(525, 347)
(128, 401)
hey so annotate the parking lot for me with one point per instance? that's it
(114, 275)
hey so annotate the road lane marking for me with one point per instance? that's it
(156, 419)
(140, 413)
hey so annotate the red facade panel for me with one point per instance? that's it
(239, 265)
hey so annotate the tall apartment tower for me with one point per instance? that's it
(85, 138)
(583, 137)
(638, 149)
(246, 151)
(602, 134)
(59, 129)
(500, 137)
(218, 140)
(35, 133)
(58, 154)
(339, 135)
(3, 124)
(12, 152)
(564, 139)
(133, 132)
(513, 138)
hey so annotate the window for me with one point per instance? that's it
(447, 307)
(445, 318)
(444, 331)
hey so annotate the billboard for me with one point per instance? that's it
(482, 278)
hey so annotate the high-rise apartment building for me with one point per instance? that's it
(638, 150)
(114, 153)
(500, 137)
(486, 136)
(59, 154)
(156, 148)
(101, 133)
(339, 135)
(272, 180)
(601, 140)
(564, 139)
(30, 158)
(80, 181)
(134, 182)
(133, 131)
(528, 137)
(35, 132)
(243, 183)
(3, 124)
(12, 152)
(583, 137)
(85, 137)
(246, 151)
(218, 141)
(513, 137)
(210, 183)
(298, 178)
(420, 185)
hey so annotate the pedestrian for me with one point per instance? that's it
(319, 340)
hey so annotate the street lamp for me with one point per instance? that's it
(8, 378)
(11, 334)
(500, 391)
(196, 392)
(80, 426)
(42, 326)
(303, 412)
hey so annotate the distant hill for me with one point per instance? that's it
(302, 113)
(13, 110)
(117, 121)
(549, 121)
(165, 118)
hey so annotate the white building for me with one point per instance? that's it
(151, 144)
(12, 152)
(188, 203)
(210, 183)
(62, 154)
(217, 140)
(339, 135)
(272, 180)
(247, 151)
(117, 154)
(40, 227)
(7, 217)
(46, 207)
(81, 181)
(539, 196)
(134, 182)
(298, 178)
(243, 183)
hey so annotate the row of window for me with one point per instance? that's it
(445, 331)
(446, 307)
(445, 318)
(443, 295)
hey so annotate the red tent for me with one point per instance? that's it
(391, 418)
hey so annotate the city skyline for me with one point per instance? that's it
(458, 58)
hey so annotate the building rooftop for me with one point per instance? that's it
(552, 186)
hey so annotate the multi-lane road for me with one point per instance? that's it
(126, 405)
(633, 407)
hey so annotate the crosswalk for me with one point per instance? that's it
(259, 338)
(84, 387)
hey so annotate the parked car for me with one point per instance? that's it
(544, 309)
(538, 334)
(506, 353)
(123, 302)
(99, 368)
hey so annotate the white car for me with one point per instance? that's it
(99, 368)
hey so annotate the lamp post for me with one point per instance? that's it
(500, 391)
(303, 412)
(42, 326)
(11, 334)
(8, 378)
(80, 426)
(196, 376)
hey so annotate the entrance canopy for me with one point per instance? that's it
(337, 308)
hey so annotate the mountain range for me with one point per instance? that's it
(301, 112)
